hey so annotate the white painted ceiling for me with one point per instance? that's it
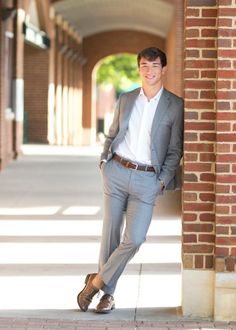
(92, 16)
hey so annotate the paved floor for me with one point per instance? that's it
(50, 225)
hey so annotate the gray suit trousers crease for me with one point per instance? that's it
(131, 193)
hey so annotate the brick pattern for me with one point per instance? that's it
(36, 65)
(18, 72)
(200, 134)
(226, 138)
(225, 264)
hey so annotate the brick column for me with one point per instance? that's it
(209, 192)
(2, 101)
(65, 87)
(51, 78)
(67, 115)
(71, 90)
(199, 157)
(36, 67)
(18, 80)
(76, 65)
(225, 288)
(58, 83)
(36, 78)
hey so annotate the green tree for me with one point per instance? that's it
(120, 71)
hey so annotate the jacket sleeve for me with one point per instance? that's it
(113, 130)
(175, 148)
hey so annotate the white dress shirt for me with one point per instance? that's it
(136, 145)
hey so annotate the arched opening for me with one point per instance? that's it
(111, 76)
(95, 48)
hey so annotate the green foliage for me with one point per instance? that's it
(119, 70)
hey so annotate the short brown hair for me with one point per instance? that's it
(151, 54)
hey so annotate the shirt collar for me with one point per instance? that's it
(155, 97)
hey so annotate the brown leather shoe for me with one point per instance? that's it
(106, 304)
(86, 295)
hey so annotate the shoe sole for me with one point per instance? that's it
(104, 312)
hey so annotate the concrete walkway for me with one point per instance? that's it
(50, 225)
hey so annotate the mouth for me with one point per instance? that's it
(149, 77)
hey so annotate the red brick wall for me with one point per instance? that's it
(209, 194)
(226, 138)
(199, 146)
(36, 67)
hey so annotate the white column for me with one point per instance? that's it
(18, 99)
(198, 293)
(225, 297)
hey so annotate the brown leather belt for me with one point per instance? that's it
(128, 164)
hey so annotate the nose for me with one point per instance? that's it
(149, 69)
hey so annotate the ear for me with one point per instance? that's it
(164, 70)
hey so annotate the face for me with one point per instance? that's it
(151, 72)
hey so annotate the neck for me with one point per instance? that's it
(151, 91)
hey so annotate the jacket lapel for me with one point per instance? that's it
(128, 106)
(161, 110)
(126, 110)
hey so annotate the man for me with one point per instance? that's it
(140, 157)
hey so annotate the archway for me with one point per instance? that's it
(99, 46)
(111, 76)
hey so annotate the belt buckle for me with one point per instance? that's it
(126, 164)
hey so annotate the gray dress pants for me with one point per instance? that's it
(129, 198)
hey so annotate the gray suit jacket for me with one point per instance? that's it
(166, 133)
